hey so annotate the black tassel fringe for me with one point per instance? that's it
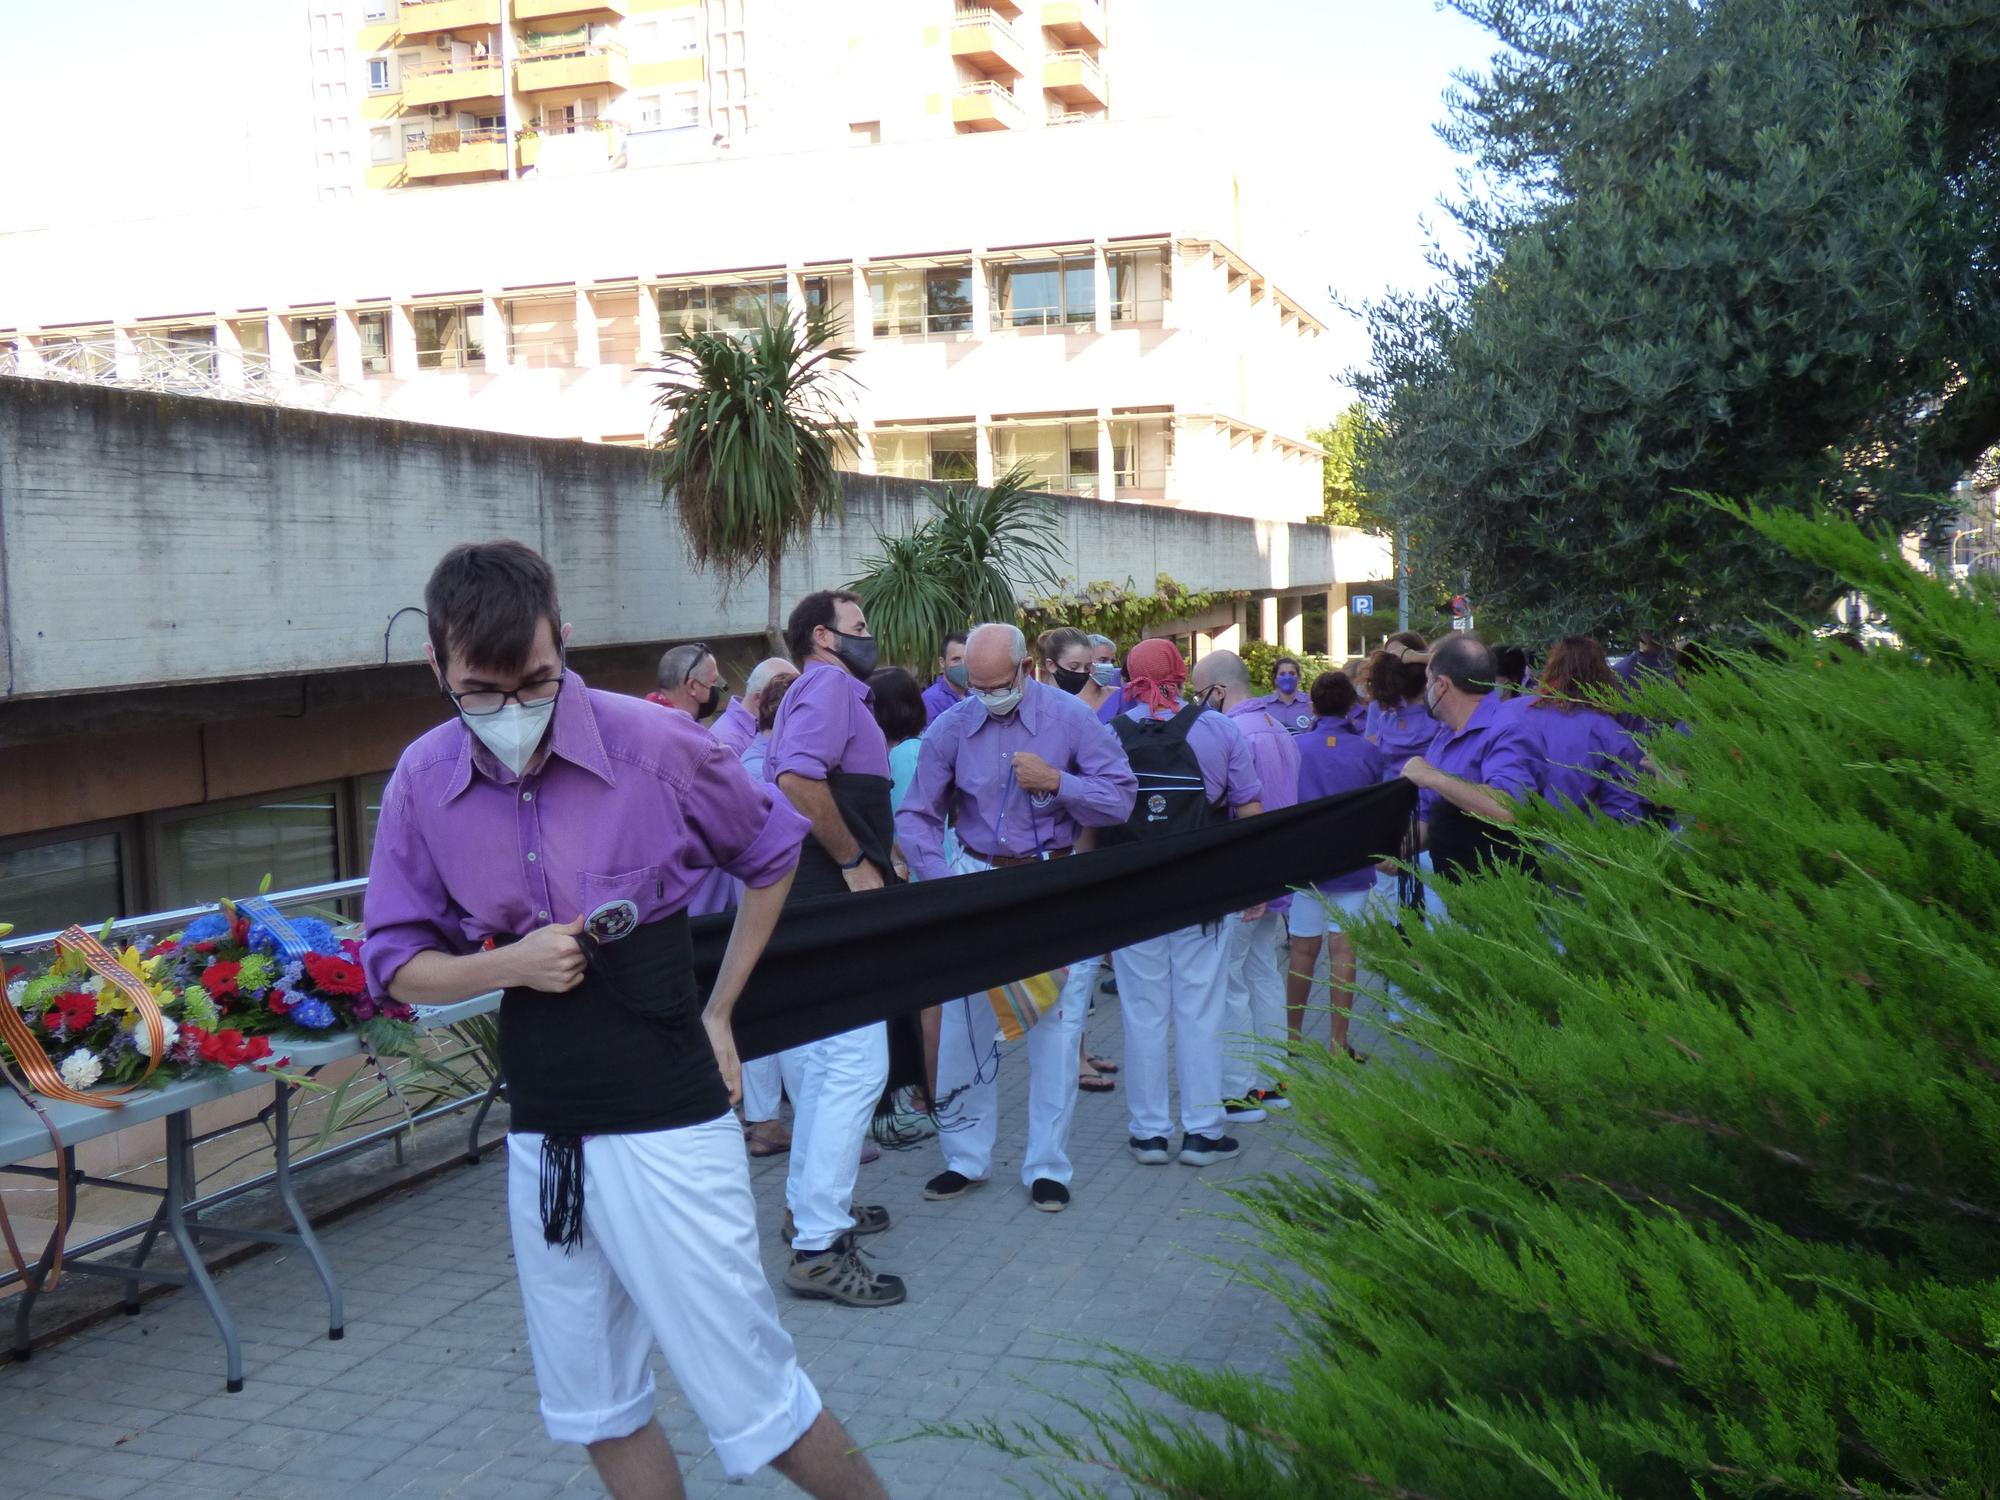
(562, 1191)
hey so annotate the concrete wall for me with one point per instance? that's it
(151, 540)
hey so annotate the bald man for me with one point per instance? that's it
(738, 725)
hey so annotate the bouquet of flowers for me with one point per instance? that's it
(225, 986)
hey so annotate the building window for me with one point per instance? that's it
(541, 333)
(649, 112)
(168, 351)
(291, 837)
(382, 145)
(312, 344)
(722, 307)
(450, 337)
(937, 300)
(375, 10)
(253, 337)
(45, 887)
(1058, 292)
(948, 455)
(372, 328)
(378, 75)
(617, 328)
(684, 34)
(1138, 285)
(1062, 456)
(686, 113)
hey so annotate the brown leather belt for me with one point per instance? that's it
(1008, 861)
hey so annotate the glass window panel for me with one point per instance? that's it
(897, 298)
(1040, 450)
(252, 336)
(954, 456)
(1079, 289)
(373, 329)
(1030, 294)
(370, 789)
(75, 881)
(312, 344)
(902, 455)
(948, 299)
(290, 837)
(1123, 266)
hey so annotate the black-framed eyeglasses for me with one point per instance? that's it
(479, 704)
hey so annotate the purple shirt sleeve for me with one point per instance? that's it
(747, 830)
(920, 821)
(1100, 792)
(811, 729)
(406, 897)
(736, 729)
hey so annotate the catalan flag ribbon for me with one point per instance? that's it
(260, 909)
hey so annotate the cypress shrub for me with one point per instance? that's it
(1702, 1194)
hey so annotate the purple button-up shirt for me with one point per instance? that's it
(938, 697)
(1227, 771)
(1297, 716)
(1334, 759)
(825, 725)
(1492, 750)
(631, 802)
(735, 727)
(1402, 732)
(1275, 757)
(963, 774)
(1577, 748)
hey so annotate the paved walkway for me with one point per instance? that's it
(431, 1394)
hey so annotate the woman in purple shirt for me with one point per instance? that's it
(1398, 722)
(1585, 757)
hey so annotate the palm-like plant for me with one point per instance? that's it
(751, 430)
(981, 550)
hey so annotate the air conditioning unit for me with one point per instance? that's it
(436, 110)
(444, 44)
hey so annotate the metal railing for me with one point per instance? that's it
(444, 142)
(187, 367)
(438, 66)
(1091, 70)
(969, 17)
(569, 49)
(164, 921)
(986, 88)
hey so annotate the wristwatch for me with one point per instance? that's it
(855, 863)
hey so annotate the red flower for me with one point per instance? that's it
(336, 976)
(229, 1048)
(220, 979)
(277, 1001)
(256, 1048)
(74, 1010)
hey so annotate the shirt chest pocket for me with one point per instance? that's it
(613, 906)
(646, 964)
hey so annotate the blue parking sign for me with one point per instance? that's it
(1362, 604)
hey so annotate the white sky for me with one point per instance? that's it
(1330, 103)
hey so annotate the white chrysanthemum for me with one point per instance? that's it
(142, 1035)
(81, 1068)
(17, 992)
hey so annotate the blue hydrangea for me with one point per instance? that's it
(316, 1014)
(206, 929)
(317, 935)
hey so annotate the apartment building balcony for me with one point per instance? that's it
(987, 106)
(981, 38)
(542, 10)
(592, 146)
(458, 153)
(570, 68)
(1076, 23)
(448, 82)
(1075, 78)
(423, 17)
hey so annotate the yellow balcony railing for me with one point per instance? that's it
(1076, 23)
(981, 38)
(987, 106)
(1074, 78)
(582, 66)
(538, 10)
(454, 153)
(447, 82)
(422, 17)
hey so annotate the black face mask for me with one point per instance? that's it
(707, 710)
(1070, 682)
(858, 653)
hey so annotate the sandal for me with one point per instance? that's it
(1090, 1083)
(1099, 1064)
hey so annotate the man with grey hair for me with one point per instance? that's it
(689, 680)
(738, 725)
(1481, 761)
(1026, 773)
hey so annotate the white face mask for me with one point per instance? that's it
(514, 733)
(999, 705)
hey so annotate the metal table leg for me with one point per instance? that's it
(132, 1304)
(31, 1286)
(181, 1188)
(288, 1195)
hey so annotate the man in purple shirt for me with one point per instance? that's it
(1253, 996)
(1025, 773)
(829, 759)
(1175, 982)
(544, 843)
(738, 725)
(1334, 758)
(689, 680)
(1478, 764)
(949, 688)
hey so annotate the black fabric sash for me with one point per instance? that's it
(863, 804)
(842, 961)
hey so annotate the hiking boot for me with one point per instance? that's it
(948, 1185)
(1206, 1150)
(1050, 1196)
(841, 1274)
(1151, 1151)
